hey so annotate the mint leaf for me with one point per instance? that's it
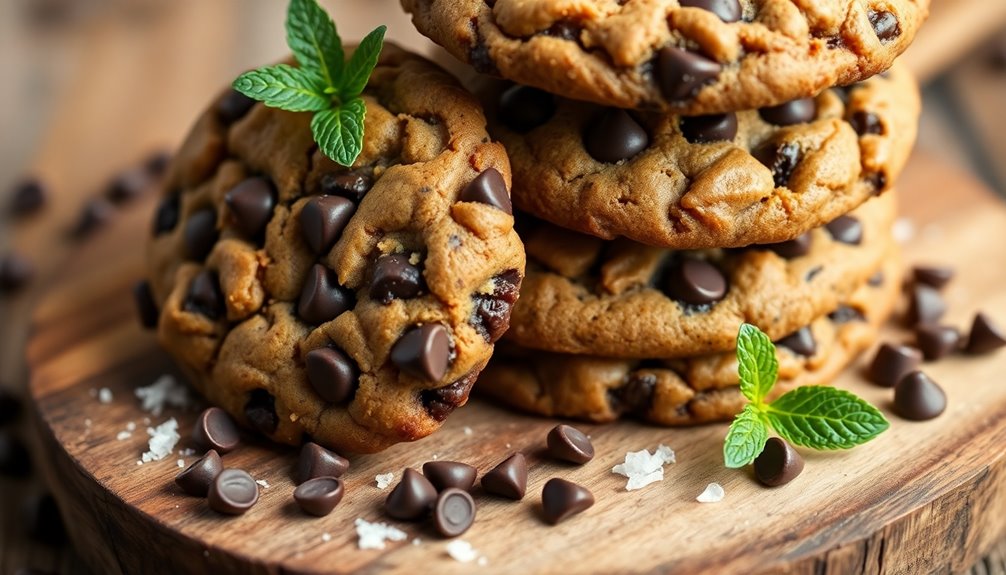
(284, 87)
(362, 63)
(824, 417)
(745, 439)
(339, 131)
(757, 365)
(314, 41)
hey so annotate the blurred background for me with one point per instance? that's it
(90, 88)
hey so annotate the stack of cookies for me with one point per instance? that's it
(681, 167)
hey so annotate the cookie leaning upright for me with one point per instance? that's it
(355, 306)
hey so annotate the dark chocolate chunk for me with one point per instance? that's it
(197, 478)
(215, 430)
(250, 204)
(937, 341)
(233, 106)
(925, 305)
(412, 499)
(332, 374)
(933, 276)
(523, 108)
(322, 220)
(566, 30)
(128, 185)
(200, 234)
(727, 10)
(846, 229)
(567, 443)
(793, 112)
(442, 401)
(10, 405)
(94, 215)
(28, 197)
(985, 336)
(800, 342)
(166, 216)
(713, 128)
(918, 398)
(319, 496)
(395, 278)
(695, 281)
(233, 492)
(14, 458)
(146, 307)
(43, 521)
(491, 312)
(561, 499)
(892, 362)
(322, 299)
(636, 396)
(488, 188)
(508, 479)
(350, 185)
(423, 352)
(781, 158)
(797, 247)
(778, 463)
(316, 461)
(885, 25)
(260, 411)
(681, 74)
(15, 272)
(481, 59)
(204, 296)
(866, 123)
(156, 164)
(445, 474)
(454, 512)
(613, 136)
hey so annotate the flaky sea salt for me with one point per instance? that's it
(166, 391)
(263, 483)
(468, 430)
(384, 480)
(181, 464)
(163, 439)
(105, 395)
(461, 550)
(643, 468)
(326, 537)
(903, 230)
(713, 494)
(374, 535)
(123, 435)
(417, 541)
(483, 561)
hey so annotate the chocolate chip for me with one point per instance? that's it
(778, 463)
(695, 282)
(233, 492)
(423, 352)
(523, 108)
(727, 10)
(937, 341)
(925, 305)
(845, 314)
(332, 374)
(781, 159)
(128, 185)
(15, 272)
(316, 461)
(714, 128)
(200, 234)
(197, 478)
(14, 458)
(636, 395)
(322, 220)
(454, 512)
(395, 278)
(43, 521)
(204, 296)
(442, 401)
(793, 112)
(10, 406)
(146, 307)
(681, 74)
(846, 229)
(795, 248)
(319, 496)
(613, 136)
(260, 411)
(488, 188)
(412, 498)
(933, 276)
(447, 474)
(94, 215)
(885, 25)
(250, 204)
(215, 430)
(567, 443)
(892, 362)
(350, 185)
(481, 59)
(166, 216)
(918, 398)
(233, 106)
(985, 336)
(800, 342)
(28, 197)
(866, 123)
(566, 30)
(508, 479)
(561, 499)
(491, 312)
(156, 164)
(322, 299)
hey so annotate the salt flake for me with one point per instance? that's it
(105, 395)
(181, 464)
(384, 480)
(461, 550)
(326, 537)
(166, 391)
(713, 494)
(643, 468)
(263, 483)
(123, 435)
(468, 430)
(374, 535)
(163, 439)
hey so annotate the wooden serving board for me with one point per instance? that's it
(924, 497)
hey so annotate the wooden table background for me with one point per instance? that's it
(77, 74)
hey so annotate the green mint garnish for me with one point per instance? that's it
(323, 83)
(815, 416)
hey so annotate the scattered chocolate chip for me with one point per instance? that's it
(892, 362)
(319, 496)
(332, 374)
(918, 398)
(714, 128)
(166, 216)
(204, 296)
(488, 188)
(797, 247)
(727, 10)
(423, 352)
(28, 197)
(781, 158)
(200, 234)
(885, 24)
(128, 185)
(442, 401)
(251, 203)
(395, 278)
(10, 406)
(233, 106)
(197, 478)
(695, 281)
(845, 314)
(322, 299)
(876, 280)
(800, 342)
(233, 492)
(613, 136)
(567, 443)
(933, 276)
(43, 521)
(454, 512)
(985, 336)
(446, 474)
(778, 463)
(14, 458)
(94, 215)
(866, 123)
(412, 498)
(508, 479)
(491, 312)
(523, 108)
(15, 272)
(481, 59)
(322, 220)
(351, 185)
(936, 341)
(261, 411)
(681, 74)
(316, 461)
(793, 112)
(561, 499)
(156, 164)
(215, 430)
(846, 229)
(925, 305)
(146, 307)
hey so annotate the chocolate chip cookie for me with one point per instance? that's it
(690, 390)
(352, 306)
(584, 295)
(756, 176)
(691, 57)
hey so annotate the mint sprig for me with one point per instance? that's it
(815, 416)
(323, 83)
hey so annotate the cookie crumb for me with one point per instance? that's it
(462, 551)
(105, 396)
(374, 535)
(163, 439)
(713, 494)
(166, 391)
(643, 468)
(384, 480)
